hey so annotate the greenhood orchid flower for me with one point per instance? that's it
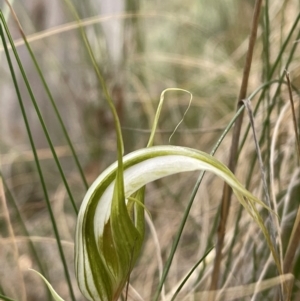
(110, 224)
(109, 235)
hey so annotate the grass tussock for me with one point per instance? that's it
(59, 66)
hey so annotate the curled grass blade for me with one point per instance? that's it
(158, 111)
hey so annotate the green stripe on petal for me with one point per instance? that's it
(109, 238)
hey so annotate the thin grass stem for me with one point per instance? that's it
(39, 169)
(190, 273)
(49, 94)
(287, 75)
(227, 191)
(2, 297)
(11, 234)
(22, 224)
(272, 71)
(38, 112)
(188, 208)
(267, 195)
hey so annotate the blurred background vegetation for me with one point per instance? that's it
(142, 48)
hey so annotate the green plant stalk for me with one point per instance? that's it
(120, 145)
(39, 169)
(133, 8)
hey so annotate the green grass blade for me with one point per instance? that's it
(264, 88)
(2, 297)
(64, 130)
(188, 208)
(22, 224)
(36, 107)
(280, 81)
(190, 273)
(272, 105)
(48, 92)
(232, 244)
(54, 294)
(39, 169)
(266, 40)
(120, 144)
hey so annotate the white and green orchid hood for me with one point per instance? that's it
(110, 224)
(109, 235)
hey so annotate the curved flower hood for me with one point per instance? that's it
(110, 226)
